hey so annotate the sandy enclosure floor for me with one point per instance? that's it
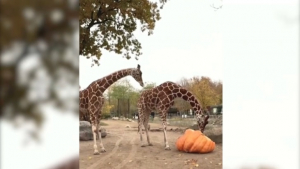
(123, 150)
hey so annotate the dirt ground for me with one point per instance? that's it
(123, 151)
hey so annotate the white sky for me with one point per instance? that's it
(261, 83)
(255, 45)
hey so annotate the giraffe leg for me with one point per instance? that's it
(140, 121)
(94, 129)
(146, 130)
(141, 136)
(95, 119)
(100, 139)
(167, 147)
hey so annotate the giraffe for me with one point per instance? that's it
(161, 98)
(91, 100)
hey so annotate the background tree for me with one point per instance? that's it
(149, 85)
(108, 106)
(110, 25)
(134, 96)
(218, 86)
(204, 89)
(106, 110)
(33, 29)
(184, 82)
(118, 95)
(123, 90)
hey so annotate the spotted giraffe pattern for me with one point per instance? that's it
(91, 100)
(160, 99)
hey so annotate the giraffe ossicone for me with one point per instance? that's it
(91, 100)
(160, 99)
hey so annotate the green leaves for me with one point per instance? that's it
(149, 86)
(122, 90)
(109, 25)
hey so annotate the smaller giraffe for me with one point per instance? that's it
(161, 98)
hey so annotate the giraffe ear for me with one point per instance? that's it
(138, 66)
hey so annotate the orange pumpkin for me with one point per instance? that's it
(195, 142)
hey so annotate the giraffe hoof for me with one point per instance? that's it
(150, 144)
(96, 153)
(103, 151)
(167, 148)
(143, 145)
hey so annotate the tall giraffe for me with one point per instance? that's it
(161, 98)
(91, 100)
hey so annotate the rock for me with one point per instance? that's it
(212, 131)
(85, 131)
(115, 118)
(84, 124)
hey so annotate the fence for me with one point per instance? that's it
(123, 108)
(190, 116)
(185, 122)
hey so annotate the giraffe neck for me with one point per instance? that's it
(189, 97)
(107, 81)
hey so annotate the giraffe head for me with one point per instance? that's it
(202, 120)
(137, 75)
